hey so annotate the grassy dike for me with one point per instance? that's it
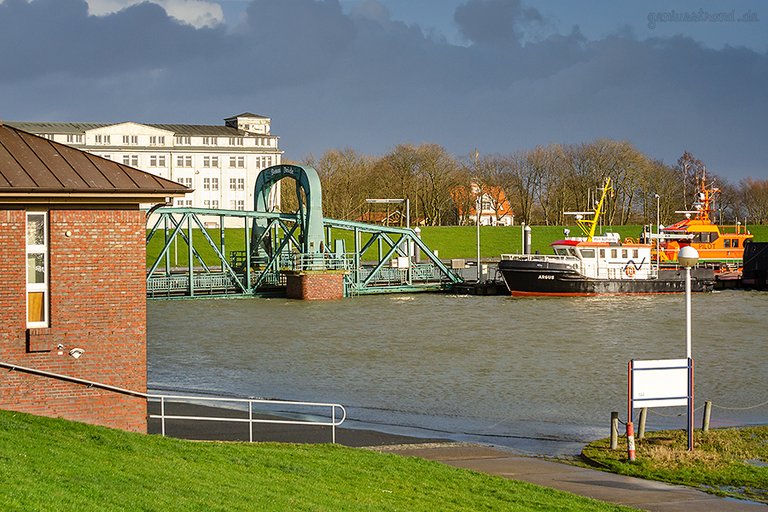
(450, 241)
(53, 464)
(727, 462)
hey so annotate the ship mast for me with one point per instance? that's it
(589, 225)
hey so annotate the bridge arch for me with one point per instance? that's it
(310, 212)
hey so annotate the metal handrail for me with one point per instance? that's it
(250, 420)
(162, 398)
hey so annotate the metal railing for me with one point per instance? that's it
(334, 422)
(163, 399)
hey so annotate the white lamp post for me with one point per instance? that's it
(658, 231)
(478, 210)
(688, 257)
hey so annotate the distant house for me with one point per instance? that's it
(495, 209)
(73, 280)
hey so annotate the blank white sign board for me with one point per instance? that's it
(659, 383)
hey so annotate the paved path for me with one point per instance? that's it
(623, 490)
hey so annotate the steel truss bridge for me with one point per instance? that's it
(193, 259)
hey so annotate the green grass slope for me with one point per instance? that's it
(450, 241)
(50, 464)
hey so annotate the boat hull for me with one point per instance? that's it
(532, 277)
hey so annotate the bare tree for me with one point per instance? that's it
(755, 197)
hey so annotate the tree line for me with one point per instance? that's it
(540, 183)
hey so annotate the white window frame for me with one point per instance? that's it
(132, 160)
(214, 183)
(240, 183)
(37, 287)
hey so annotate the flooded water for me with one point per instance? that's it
(534, 375)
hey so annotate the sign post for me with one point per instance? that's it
(661, 383)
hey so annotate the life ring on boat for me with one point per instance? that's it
(630, 270)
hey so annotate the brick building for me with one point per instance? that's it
(72, 280)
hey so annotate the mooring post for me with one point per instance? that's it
(641, 421)
(707, 414)
(614, 430)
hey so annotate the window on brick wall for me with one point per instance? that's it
(37, 269)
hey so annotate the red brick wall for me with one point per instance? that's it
(315, 285)
(97, 303)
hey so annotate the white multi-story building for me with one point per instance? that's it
(220, 163)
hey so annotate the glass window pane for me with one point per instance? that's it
(36, 307)
(36, 229)
(36, 268)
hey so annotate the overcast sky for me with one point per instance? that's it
(496, 75)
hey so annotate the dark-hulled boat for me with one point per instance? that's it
(596, 265)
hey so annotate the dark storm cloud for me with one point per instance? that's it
(330, 79)
(50, 36)
(495, 21)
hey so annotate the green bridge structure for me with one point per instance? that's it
(255, 259)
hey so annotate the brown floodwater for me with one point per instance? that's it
(533, 375)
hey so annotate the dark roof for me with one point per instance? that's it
(177, 129)
(33, 165)
(247, 114)
(80, 128)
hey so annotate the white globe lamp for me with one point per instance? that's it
(688, 257)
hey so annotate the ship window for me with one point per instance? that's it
(624, 253)
(587, 253)
(727, 243)
(735, 244)
(713, 236)
(602, 253)
(635, 254)
(614, 253)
